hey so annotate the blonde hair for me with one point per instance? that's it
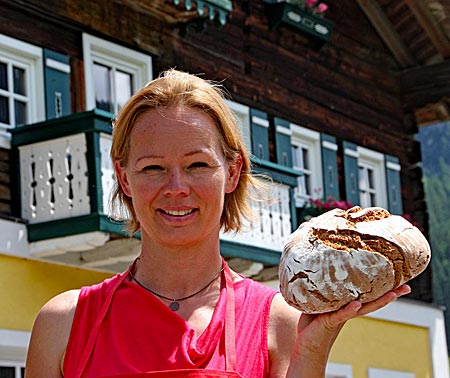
(176, 88)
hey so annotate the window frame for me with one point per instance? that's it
(309, 139)
(336, 370)
(18, 366)
(375, 161)
(242, 115)
(110, 54)
(13, 349)
(385, 373)
(30, 57)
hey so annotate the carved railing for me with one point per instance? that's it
(273, 222)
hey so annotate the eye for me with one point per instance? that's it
(199, 164)
(152, 168)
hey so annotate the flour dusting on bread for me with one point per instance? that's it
(344, 255)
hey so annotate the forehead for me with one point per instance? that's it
(174, 119)
(177, 125)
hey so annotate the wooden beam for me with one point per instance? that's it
(387, 32)
(431, 27)
(426, 92)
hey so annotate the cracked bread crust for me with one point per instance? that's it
(342, 256)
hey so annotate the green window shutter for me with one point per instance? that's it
(393, 185)
(283, 143)
(57, 84)
(351, 172)
(329, 167)
(260, 134)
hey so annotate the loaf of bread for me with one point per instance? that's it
(346, 255)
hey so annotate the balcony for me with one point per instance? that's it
(63, 188)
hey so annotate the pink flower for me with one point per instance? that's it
(310, 3)
(322, 8)
(329, 204)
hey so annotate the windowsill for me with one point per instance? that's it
(5, 142)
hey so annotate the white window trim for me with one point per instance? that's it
(242, 114)
(383, 373)
(375, 161)
(13, 347)
(334, 370)
(14, 238)
(29, 56)
(18, 366)
(134, 62)
(406, 311)
(310, 139)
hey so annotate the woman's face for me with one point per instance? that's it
(177, 176)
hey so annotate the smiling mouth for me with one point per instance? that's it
(178, 213)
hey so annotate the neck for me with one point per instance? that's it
(177, 272)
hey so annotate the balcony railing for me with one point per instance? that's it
(66, 177)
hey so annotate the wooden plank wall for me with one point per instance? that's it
(349, 88)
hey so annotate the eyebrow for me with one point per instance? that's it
(191, 153)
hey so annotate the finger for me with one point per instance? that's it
(354, 309)
(347, 312)
(383, 301)
(403, 290)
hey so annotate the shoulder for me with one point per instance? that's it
(50, 335)
(58, 311)
(283, 324)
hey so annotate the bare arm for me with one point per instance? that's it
(283, 328)
(50, 335)
(311, 338)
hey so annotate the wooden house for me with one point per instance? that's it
(328, 105)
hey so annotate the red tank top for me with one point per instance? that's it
(137, 333)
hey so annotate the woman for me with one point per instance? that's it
(183, 175)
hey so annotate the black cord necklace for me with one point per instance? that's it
(175, 305)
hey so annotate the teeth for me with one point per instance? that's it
(178, 213)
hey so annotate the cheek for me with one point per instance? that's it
(142, 190)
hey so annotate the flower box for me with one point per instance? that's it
(316, 28)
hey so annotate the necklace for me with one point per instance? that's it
(175, 305)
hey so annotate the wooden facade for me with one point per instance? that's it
(357, 87)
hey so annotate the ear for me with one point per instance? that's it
(234, 174)
(122, 177)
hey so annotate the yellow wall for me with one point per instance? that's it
(367, 342)
(26, 284)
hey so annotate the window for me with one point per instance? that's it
(112, 73)
(306, 157)
(335, 370)
(372, 178)
(242, 114)
(366, 185)
(13, 350)
(21, 86)
(11, 370)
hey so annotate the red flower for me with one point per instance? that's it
(321, 8)
(329, 204)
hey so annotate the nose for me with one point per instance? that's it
(177, 183)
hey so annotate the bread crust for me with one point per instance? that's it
(345, 255)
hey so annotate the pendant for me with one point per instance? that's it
(174, 306)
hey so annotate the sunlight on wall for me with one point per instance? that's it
(26, 284)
